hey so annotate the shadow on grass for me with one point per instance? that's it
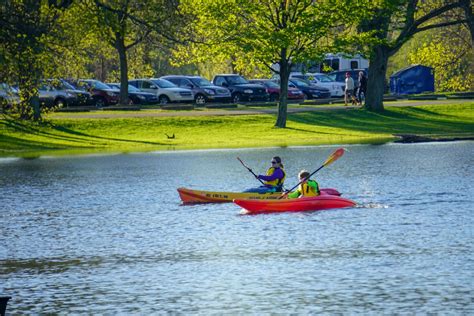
(406, 120)
(9, 143)
(71, 135)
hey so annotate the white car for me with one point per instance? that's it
(336, 88)
(165, 90)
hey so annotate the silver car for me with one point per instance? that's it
(8, 96)
(49, 96)
(165, 91)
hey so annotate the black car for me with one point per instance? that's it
(241, 89)
(310, 90)
(204, 91)
(136, 95)
(340, 75)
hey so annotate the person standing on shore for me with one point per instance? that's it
(362, 87)
(349, 90)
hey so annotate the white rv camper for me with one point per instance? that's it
(331, 62)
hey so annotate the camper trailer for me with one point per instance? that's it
(331, 62)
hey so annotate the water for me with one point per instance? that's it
(107, 234)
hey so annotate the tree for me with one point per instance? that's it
(28, 29)
(125, 23)
(393, 22)
(264, 32)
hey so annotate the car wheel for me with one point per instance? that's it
(163, 99)
(130, 102)
(100, 103)
(306, 96)
(60, 103)
(274, 97)
(236, 98)
(200, 99)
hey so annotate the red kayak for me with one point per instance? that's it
(314, 203)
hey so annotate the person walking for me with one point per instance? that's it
(361, 92)
(349, 90)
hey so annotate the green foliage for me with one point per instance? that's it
(451, 59)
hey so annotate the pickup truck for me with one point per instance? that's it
(240, 88)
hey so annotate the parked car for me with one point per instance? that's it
(82, 98)
(322, 80)
(164, 90)
(204, 91)
(340, 76)
(310, 91)
(8, 96)
(136, 95)
(273, 89)
(49, 96)
(102, 94)
(240, 88)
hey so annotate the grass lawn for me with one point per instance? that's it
(61, 135)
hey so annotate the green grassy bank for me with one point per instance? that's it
(85, 135)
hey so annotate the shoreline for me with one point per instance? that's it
(74, 135)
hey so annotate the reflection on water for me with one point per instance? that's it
(107, 234)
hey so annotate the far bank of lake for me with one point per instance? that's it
(116, 132)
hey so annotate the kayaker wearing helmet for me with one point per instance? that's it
(274, 178)
(308, 187)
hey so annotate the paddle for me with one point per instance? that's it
(333, 157)
(256, 177)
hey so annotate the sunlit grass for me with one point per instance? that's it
(61, 135)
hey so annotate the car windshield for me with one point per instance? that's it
(67, 85)
(300, 83)
(201, 82)
(271, 84)
(324, 78)
(236, 80)
(133, 89)
(162, 83)
(97, 84)
(5, 87)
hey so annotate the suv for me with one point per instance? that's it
(240, 88)
(81, 97)
(49, 96)
(340, 75)
(102, 94)
(165, 90)
(204, 91)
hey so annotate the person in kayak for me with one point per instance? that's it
(308, 187)
(274, 178)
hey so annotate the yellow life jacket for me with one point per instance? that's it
(309, 190)
(276, 182)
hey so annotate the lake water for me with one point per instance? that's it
(107, 234)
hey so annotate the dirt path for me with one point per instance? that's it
(217, 112)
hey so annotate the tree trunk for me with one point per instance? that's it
(467, 7)
(376, 80)
(283, 102)
(120, 46)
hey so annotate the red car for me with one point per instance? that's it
(273, 89)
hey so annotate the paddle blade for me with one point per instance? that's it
(334, 156)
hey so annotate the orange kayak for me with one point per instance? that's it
(189, 196)
(316, 203)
